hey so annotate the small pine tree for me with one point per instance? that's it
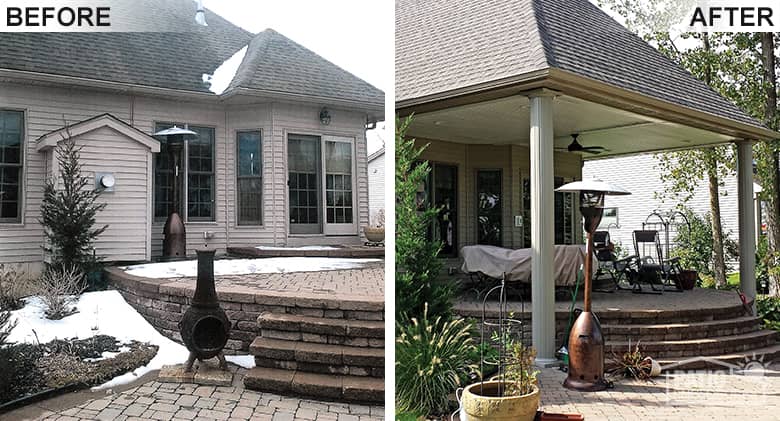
(417, 262)
(68, 213)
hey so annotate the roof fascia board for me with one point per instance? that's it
(51, 139)
(22, 75)
(603, 93)
(525, 81)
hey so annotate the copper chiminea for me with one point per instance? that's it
(175, 237)
(205, 326)
(586, 342)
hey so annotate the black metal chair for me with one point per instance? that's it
(654, 269)
(610, 267)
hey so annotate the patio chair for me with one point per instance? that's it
(662, 274)
(610, 267)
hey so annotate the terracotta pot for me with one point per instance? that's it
(688, 279)
(481, 403)
(374, 234)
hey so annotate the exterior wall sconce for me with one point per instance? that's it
(324, 117)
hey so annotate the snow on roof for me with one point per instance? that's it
(225, 73)
(189, 268)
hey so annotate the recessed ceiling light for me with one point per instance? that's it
(438, 123)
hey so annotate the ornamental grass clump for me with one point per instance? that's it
(431, 359)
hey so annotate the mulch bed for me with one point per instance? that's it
(34, 370)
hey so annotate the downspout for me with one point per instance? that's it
(227, 196)
(273, 169)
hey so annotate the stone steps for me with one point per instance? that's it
(719, 345)
(736, 360)
(680, 331)
(318, 358)
(291, 327)
(315, 385)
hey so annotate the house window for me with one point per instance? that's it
(564, 213)
(338, 182)
(198, 163)
(250, 178)
(489, 207)
(10, 165)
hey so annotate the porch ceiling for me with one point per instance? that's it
(507, 121)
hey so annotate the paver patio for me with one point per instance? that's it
(186, 401)
(689, 396)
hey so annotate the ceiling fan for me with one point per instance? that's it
(577, 147)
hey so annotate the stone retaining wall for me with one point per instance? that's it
(162, 302)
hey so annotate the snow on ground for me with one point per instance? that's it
(298, 248)
(247, 266)
(102, 313)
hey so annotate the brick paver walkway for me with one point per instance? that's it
(173, 401)
(682, 396)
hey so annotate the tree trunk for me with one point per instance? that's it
(711, 160)
(719, 269)
(770, 118)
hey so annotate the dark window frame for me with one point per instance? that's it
(240, 177)
(20, 185)
(185, 180)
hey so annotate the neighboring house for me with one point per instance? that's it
(646, 197)
(280, 157)
(376, 183)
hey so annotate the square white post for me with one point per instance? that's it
(542, 227)
(747, 223)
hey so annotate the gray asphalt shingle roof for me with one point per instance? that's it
(442, 45)
(178, 59)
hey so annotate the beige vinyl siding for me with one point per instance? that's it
(514, 163)
(126, 207)
(46, 108)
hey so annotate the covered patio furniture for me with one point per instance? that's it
(660, 272)
(609, 265)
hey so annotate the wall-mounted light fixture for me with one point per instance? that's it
(324, 117)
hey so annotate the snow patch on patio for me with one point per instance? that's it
(225, 73)
(189, 268)
(298, 248)
(102, 313)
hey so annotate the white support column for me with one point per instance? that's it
(747, 223)
(542, 227)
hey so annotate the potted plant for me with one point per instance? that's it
(375, 232)
(514, 395)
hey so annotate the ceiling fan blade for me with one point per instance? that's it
(594, 148)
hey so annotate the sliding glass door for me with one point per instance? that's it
(321, 185)
(489, 204)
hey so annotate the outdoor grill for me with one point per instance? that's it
(205, 326)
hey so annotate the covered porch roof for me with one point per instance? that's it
(534, 72)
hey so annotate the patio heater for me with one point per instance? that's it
(175, 237)
(586, 343)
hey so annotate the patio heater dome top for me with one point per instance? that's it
(173, 131)
(596, 186)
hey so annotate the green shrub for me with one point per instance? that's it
(431, 357)
(694, 246)
(768, 309)
(417, 283)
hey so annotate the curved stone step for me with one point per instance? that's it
(318, 358)
(680, 331)
(321, 386)
(322, 329)
(733, 361)
(698, 347)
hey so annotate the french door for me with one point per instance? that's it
(321, 185)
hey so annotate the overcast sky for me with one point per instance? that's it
(345, 32)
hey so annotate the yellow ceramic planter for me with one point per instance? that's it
(481, 404)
